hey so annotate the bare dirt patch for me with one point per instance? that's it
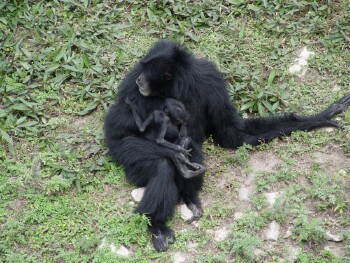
(263, 161)
(18, 204)
(236, 184)
(333, 162)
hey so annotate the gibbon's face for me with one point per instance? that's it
(156, 77)
(175, 110)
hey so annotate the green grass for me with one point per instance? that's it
(60, 65)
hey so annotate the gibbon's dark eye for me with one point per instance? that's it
(167, 76)
(166, 111)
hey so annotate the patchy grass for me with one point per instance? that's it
(61, 196)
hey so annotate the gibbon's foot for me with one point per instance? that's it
(334, 124)
(187, 168)
(161, 240)
(198, 170)
(337, 107)
(187, 173)
(196, 210)
(186, 152)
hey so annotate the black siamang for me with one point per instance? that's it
(169, 71)
(170, 120)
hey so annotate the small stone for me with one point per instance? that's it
(288, 233)
(335, 238)
(113, 248)
(195, 224)
(271, 198)
(329, 130)
(342, 172)
(103, 244)
(301, 62)
(237, 215)
(192, 246)
(293, 252)
(186, 213)
(137, 194)
(243, 194)
(179, 257)
(259, 253)
(272, 232)
(209, 231)
(336, 88)
(335, 249)
(121, 251)
(221, 234)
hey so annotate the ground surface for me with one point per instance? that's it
(62, 200)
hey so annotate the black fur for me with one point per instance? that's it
(168, 127)
(199, 86)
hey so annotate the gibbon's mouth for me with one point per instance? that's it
(144, 92)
